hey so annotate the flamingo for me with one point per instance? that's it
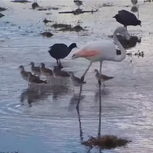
(104, 50)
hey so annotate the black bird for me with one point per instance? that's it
(127, 18)
(60, 51)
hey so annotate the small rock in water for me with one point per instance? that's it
(34, 5)
(1, 15)
(2, 9)
(47, 34)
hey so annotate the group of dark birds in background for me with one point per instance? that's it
(60, 51)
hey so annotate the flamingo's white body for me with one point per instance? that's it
(104, 50)
(95, 51)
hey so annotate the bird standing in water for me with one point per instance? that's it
(34, 69)
(60, 51)
(46, 72)
(24, 73)
(102, 77)
(35, 79)
(104, 50)
(75, 80)
(127, 18)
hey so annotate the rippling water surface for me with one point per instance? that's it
(48, 122)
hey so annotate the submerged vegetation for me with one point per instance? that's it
(67, 27)
(106, 142)
(46, 34)
(1, 15)
(21, 1)
(2, 9)
(79, 11)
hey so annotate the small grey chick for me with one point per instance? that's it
(46, 72)
(23, 73)
(35, 69)
(35, 79)
(75, 80)
(102, 77)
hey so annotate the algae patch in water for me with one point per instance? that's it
(78, 11)
(47, 34)
(1, 15)
(67, 27)
(35, 5)
(106, 142)
(21, 1)
(2, 9)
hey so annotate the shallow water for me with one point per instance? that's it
(30, 122)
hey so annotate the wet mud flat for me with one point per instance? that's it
(49, 122)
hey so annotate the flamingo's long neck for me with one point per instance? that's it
(121, 57)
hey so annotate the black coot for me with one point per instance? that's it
(127, 18)
(60, 51)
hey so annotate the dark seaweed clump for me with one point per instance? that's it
(1, 15)
(2, 9)
(67, 27)
(21, 1)
(106, 142)
(47, 34)
(34, 5)
(107, 5)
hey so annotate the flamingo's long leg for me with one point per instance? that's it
(82, 78)
(100, 71)
(99, 82)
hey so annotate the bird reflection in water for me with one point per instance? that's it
(37, 93)
(74, 101)
(59, 91)
(80, 124)
(104, 92)
(32, 95)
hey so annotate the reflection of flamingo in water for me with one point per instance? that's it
(99, 126)
(80, 126)
(99, 51)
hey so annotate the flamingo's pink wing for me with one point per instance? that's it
(87, 53)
